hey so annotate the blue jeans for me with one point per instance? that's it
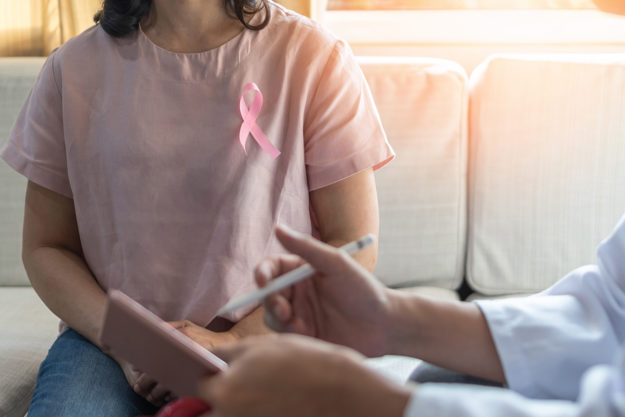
(78, 379)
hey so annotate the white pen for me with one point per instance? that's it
(290, 278)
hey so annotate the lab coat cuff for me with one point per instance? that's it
(511, 353)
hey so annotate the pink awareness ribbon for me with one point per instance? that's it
(249, 122)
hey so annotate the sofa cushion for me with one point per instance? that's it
(547, 167)
(423, 105)
(28, 330)
(17, 75)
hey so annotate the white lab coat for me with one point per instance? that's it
(563, 350)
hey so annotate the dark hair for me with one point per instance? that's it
(118, 18)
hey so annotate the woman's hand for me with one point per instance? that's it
(343, 303)
(289, 375)
(143, 385)
(206, 338)
(154, 392)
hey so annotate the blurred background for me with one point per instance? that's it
(457, 4)
(462, 30)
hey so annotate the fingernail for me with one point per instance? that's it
(265, 271)
(281, 313)
(283, 227)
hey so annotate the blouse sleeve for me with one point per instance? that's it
(36, 146)
(343, 131)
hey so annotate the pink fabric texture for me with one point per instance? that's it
(170, 208)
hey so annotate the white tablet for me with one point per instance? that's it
(135, 334)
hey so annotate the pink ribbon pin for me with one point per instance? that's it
(249, 122)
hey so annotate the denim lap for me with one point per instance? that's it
(77, 379)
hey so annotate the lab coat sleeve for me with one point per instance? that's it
(547, 342)
(602, 395)
(562, 350)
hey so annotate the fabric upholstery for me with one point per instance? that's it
(436, 293)
(28, 330)
(17, 76)
(547, 169)
(423, 107)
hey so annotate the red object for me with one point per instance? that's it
(183, 407)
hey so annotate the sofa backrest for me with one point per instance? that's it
(422, 193)
(547, 167)
(17, 76)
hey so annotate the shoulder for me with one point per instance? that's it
(89, 44)
(299, 33)
(87, 54)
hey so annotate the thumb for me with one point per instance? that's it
(324, 258)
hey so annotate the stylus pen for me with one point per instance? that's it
(290, 278)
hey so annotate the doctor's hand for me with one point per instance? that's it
(290, 375)
(342, 303)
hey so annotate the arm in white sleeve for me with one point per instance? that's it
(547, 342)
(602, 395)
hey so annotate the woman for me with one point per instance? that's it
(161, 148)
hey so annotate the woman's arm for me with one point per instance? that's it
(52, 256)
(348, 210)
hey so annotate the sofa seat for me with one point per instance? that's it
(433, 292)
(28, 330)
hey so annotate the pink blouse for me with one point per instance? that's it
(170, 209)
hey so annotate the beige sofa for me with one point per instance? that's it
(504, 180)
